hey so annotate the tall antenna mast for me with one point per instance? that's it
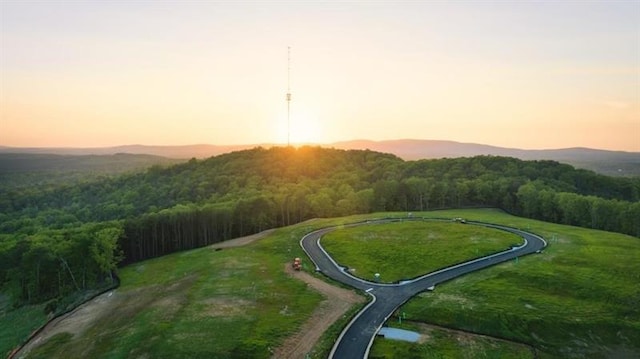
(288, 95)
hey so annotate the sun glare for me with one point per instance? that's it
(304, 129)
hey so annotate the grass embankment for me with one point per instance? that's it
(16, 325)
(232, 303)
(405, 250)
(444, 344)
(580, 298)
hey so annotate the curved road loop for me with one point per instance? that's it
(357, 337)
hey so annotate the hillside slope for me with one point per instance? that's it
(239, 303)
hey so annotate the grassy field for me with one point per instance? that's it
(16, 325)
(580, 298)
(438, 343)
(405, 250)
(233, 303)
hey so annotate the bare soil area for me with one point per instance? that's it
(241, 241)
(337, 303)
(74, 322)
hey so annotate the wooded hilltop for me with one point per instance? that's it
(59, 240)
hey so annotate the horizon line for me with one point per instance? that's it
(301, 144)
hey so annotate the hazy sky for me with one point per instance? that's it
(516, 74)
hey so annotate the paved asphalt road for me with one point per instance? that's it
(356, 339)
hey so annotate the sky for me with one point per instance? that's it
(519, 74)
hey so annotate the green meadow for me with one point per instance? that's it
(405, 250)
(579, 298)
(441, 343)
(231, 303)
(17, 324)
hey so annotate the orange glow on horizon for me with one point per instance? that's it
(503, 74)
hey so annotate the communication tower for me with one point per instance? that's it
(288, 95)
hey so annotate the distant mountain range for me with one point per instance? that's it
(99, 164)
(181, 152)
(615, 163)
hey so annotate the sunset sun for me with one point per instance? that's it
(305, 129)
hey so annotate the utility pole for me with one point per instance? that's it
(288, 96)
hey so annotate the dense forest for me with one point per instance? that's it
(61, 239)
(18, 170)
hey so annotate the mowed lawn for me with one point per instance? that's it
(405, 250)
(580, 298)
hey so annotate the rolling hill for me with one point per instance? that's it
(612, 163)
(115, 163)
(24, 169)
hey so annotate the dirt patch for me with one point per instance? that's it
(111, 306)
(337, 303)
(237, 242)
(235, 264)
(225, 306)
(170, 305)
(461, 336)
(76, 321)
(462, 301)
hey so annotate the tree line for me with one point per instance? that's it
(57, 263)
(46, 234)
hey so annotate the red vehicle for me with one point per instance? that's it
(297, 264)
